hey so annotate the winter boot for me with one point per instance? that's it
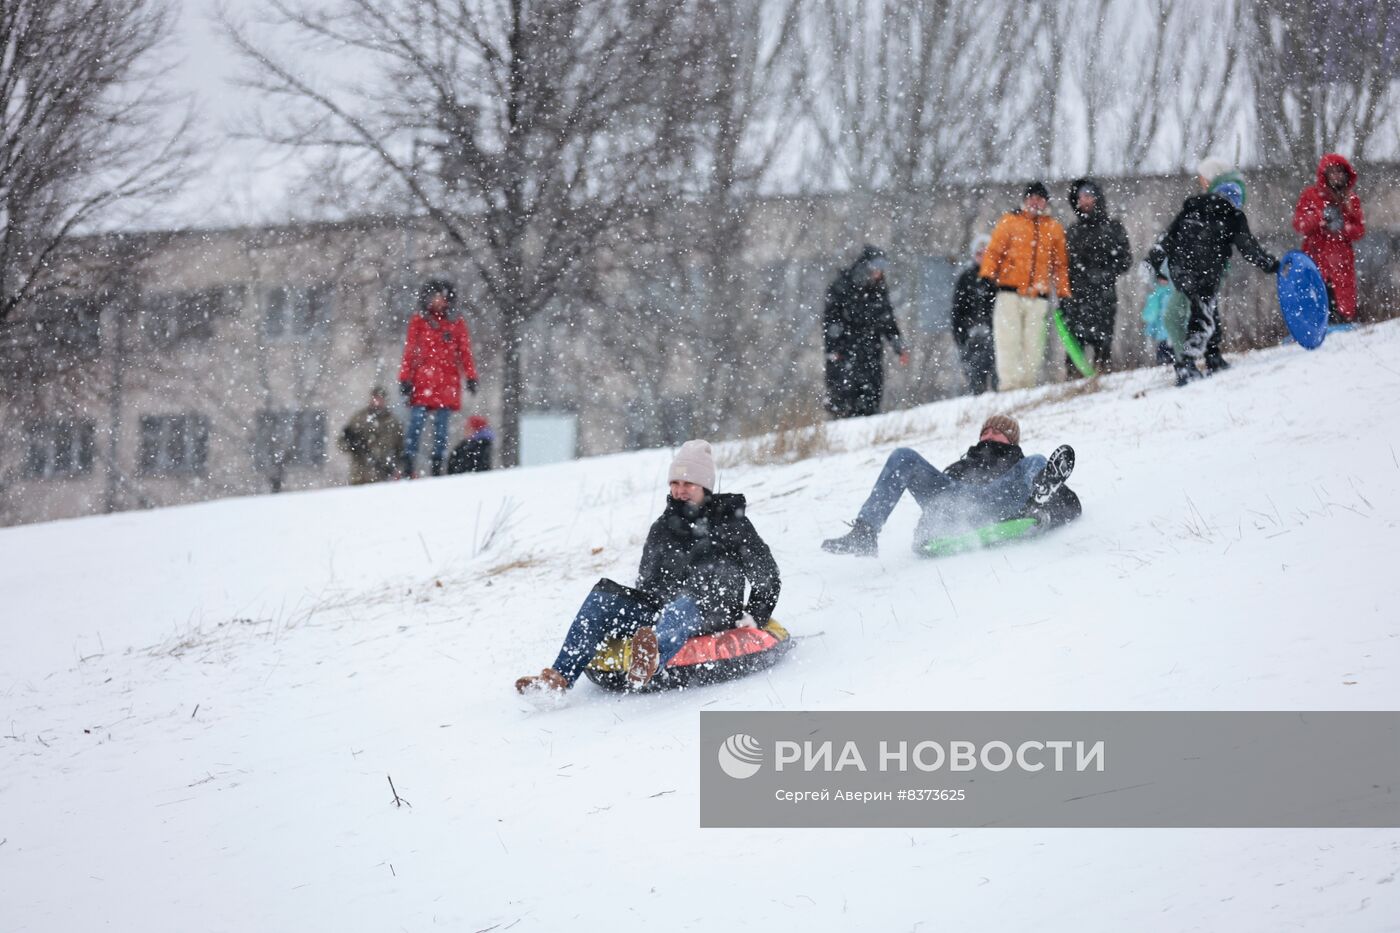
(860, 541)
(406, 468)
(646, 658)
(437, 466)
(548, 680)
(1186, 372)
(1215, 363)
(1058, 466)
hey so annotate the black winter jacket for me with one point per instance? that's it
(1098, 254)
(858, 315)
(974, 299)
(1196, 247)
(986, 460)
(708, 552)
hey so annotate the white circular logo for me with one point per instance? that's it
(740, 756)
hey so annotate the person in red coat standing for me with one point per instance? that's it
(437, 353)
(1329, 218)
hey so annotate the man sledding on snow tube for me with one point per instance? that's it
(697, 558)
(993, 482)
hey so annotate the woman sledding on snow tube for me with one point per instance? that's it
(698, 556)
(993, 482)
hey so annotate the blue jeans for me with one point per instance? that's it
(605, 615)
(416, 416)
(947, 503)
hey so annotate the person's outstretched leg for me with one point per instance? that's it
(416, 416)
(441, 422)
(904, 470)
(603, 615)
(654, 647)
(1033, 480)
(1003, 497)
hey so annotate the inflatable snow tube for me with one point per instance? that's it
(704, 659)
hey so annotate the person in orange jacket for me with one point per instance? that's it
(1329, 217)
(1028, 263)
(437, 353)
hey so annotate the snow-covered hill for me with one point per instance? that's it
(201, 706)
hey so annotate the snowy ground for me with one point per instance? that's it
(200, 705)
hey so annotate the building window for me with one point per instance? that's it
(68, 325)
(290, 312)
(174, 445)
(60, 447)
(171, 317)
(289, 439)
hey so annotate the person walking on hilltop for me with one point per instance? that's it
(1194, 254)
(1098, 254)
(1027, 261)
(857, 320)
(1329, 217)
(436, 355)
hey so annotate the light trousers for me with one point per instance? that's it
(1019, 328)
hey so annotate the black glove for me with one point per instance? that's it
(471, 386)
(1332, 217)
(1274, 266)
(405, 388)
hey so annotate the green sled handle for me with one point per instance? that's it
(1072, 347)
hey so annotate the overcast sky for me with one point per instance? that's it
(240, 181)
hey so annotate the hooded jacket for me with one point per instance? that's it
(856, 321)
(1098, 253)
(436, 354)
(708, 552)
(1195, 251)
(858, 314)
(1330, 222)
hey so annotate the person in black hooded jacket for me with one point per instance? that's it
(699, 556)
(1194, 254)
(858, 318)
(1098, 254)
(993, 481)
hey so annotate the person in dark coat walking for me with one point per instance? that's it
(473, 455)
(698, 559)
(993, 481)
(1098, 254)
(857, 320)
(373, 438)
(1194, 254)
(973, 300)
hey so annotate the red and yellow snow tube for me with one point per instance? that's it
(704, 659)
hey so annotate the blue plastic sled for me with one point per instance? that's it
(1302, 297)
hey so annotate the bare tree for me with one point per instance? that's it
(751, 76)
(1323, 75)
(1162, 81)
(548, 123)
(78, 100)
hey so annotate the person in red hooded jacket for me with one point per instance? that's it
(437, 353)
(1329, 218)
